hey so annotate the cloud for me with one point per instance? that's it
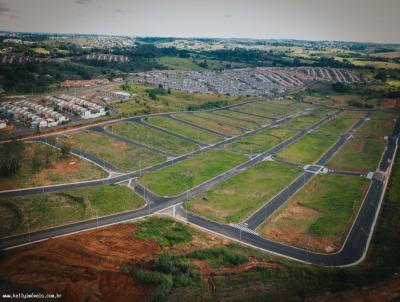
(83, 2)
(122, 11)
(5, 11)
(228, 16)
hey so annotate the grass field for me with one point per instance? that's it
(377, 128)
(153, 138)
(175, 179)
(338, 125)
(23, 213)
(261, 141)
(302, 121)
(227, 120)
(236, 198)
(209, 124)
(185, 130)
(174, 101)
(179, 63)
(358, 155)
(385, 115)
(116, 152)
(376, 64)
(250, 108)
(307, 149)
(60, 170)
(246, 117)
(320, 214)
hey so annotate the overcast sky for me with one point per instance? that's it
(351, 20)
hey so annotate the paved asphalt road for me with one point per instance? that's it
(353, 250)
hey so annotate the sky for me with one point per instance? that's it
(345, 20)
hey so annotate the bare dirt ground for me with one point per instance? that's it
(82, 267)
(384, 291)
(390, 103)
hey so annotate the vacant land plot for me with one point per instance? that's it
(185, 130)
(385, 115)
(116, 152)
(177, 178)
(43, 165)
(320, 214)
(377, 128)
(227, 120)
(245, 117)
(359, 155)
(236, 198)
(261, 141)
(302, 121)
(153, 138)
(209, 124)
(29, 213)
(250, 108)
(338, 125)
(307, 149)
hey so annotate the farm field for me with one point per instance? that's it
(153, 138)
(185, 130)
(190, 172)
(116, 152)
(319, 216)
(209, 124)
(227, 120)
(261, 141)
(233, 200)
(251, 118)
(43, 165)
(29, 213)
(358, 154)
(307, 149)
(339, 125)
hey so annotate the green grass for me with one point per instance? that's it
(34, 212)
(185, 130)
(359, 155)
(227, 120)
(385, 115)
(188, 173)
(165, 231)
(302, 122)
(334, 200)
(377, 128)
(153, 138)
(218, 257)
(261, 141)
(179, 63)
(339, 125)
(307, 149)
(61, 170)
(116, 152)
(210, 124)
(246, 117)
(234, 199)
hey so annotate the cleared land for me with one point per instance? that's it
(246, 117)
(43, 165)
(320, 214)
(185, 130)
(227, 120)
(209, 124)
(234, 199)
(261, 141)
(307, 149)
(28, 213)
(358, 155)
(153, 138)
(175, 179)
(116, 152)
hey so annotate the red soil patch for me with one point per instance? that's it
(390, 103)
(83, 267)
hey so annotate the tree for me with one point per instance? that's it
(65, 150)
(381, 76)
(11, 155)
